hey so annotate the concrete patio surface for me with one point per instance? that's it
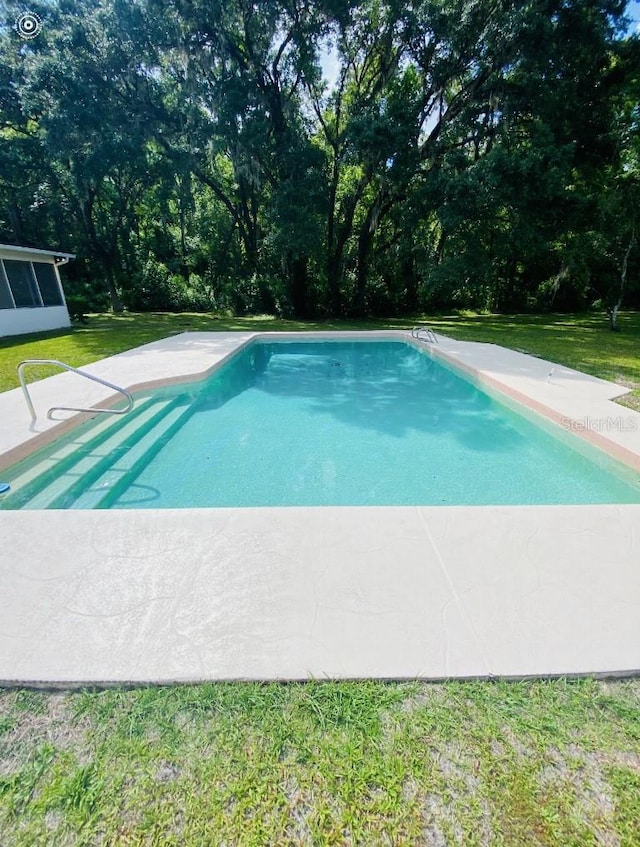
(293, 593)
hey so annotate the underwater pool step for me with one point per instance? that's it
(66, 454)
(106, 488)
(61, 492)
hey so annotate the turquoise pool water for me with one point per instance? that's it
(318, 423)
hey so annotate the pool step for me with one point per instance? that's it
(108, 487)
(72, 480)
(64, 455)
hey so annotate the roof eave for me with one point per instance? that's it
(57, 254)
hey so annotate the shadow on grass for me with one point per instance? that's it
(581, 341)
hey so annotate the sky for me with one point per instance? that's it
(633, 12)
(330, 62)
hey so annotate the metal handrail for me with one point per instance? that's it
(66, 367)
(430, 334)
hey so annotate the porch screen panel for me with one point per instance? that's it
(48, 284)
(22, 282)
(5, 295)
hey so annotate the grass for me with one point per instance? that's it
(583, 342)
(106, 335)
(366, 763)
(334, 763)
(580, 341)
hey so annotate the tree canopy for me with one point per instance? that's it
(196, 154)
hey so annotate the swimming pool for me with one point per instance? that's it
(395, 592)
(317, 423)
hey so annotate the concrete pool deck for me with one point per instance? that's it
(292, 593)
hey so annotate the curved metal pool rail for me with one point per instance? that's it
(428, 334)
(66, 367)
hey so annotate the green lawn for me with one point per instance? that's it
(354, 763)
(580, 341)
(359, 763)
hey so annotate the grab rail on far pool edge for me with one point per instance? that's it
(66, 367)
(429, 335)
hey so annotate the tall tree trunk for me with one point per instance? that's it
(298, 281)
(613, 311)
(365, 239)
(249, 231)
(411, 284)
(15, 221)
(184, 264)
(333, 281)
(333, 259)
(116, 302)
(364, 247)
(102, 254)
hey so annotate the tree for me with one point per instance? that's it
(471, 152)
(75, 89)
(618, 194)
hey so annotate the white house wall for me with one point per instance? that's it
(33, 318)
(21, 321)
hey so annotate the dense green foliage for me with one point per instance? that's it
(475, 153)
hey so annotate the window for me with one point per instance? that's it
(48, 284)
(6, 300)
(28, 284)
(23, 283)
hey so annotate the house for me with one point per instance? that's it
(31, 295)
